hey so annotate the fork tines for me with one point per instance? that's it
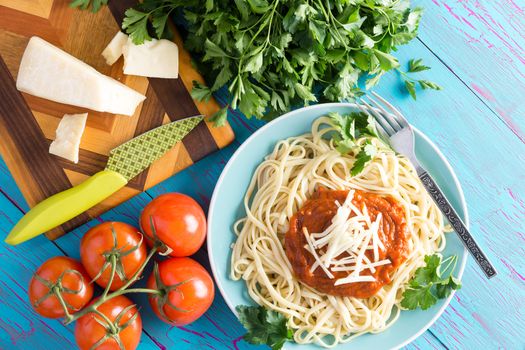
(388, 118)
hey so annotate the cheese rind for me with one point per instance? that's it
(68, 135)
(154, 59)
(113, 51)
(48, 72)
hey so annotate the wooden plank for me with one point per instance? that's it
(85, 40)
(483, 314)
(9, 188)
(176, 100)
(483, 43)
(40, 8)
(30, 145)
(490, 163)
(18, 323)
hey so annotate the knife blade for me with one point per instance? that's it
(125, 162)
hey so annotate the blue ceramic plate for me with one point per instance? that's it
(226, 208)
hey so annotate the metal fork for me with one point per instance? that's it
(394, 126)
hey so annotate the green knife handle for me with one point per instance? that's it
(65, 205)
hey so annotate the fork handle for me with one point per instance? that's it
(457, 224)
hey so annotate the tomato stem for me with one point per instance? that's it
(107, 320)
(113, 263)
(58, 293)
(140, 290)
(135, 276)
(122, 290)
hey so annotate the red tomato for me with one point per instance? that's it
(178, 221)
(73, 278)
(98, 244)
(187, 291)
(88, 331)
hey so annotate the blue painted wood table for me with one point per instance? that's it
(477, 53)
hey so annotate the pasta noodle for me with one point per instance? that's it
(289, 176)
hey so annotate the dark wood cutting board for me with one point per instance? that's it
(28, 123)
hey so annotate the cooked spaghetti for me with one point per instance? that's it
(297, 171)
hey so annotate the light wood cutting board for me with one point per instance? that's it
(28, 123)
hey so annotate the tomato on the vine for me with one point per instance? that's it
(186, 290)
(112, 240)
(176, 220)
(65, 276)
(122, 332)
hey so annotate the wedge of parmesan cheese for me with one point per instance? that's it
(68, 135)
(113, 51)
(154, 59)
(48, 72)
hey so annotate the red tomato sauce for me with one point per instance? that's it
(316, 215)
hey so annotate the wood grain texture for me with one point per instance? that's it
(9, 189)
(490, 163)
(86, 39)
(483, 43)
(30, 147)
(481, 146)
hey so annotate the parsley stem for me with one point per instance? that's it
(451, 260)
(406, 77)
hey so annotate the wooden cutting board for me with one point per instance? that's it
(28, 123)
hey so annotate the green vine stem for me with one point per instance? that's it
(121, 291)
(113, 263)
(58, 293)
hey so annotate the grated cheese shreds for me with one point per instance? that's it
(351, 232)
(354, 279)
(314, 253)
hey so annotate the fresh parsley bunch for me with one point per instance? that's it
(287, 52)
(273, 54)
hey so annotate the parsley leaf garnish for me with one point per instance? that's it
(219, 117)
(428, 284)
(203, 93)
(264, 326)
(84, 4)
(136, 25)
(415, 66)
(349, 128)
(200, 92)
(137, 20)
(418, 297)
(363, 157)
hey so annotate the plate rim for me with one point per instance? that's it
(287, 115)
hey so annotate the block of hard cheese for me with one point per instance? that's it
(113, 51)
(154, 58)
(48, 72)
(68, 135)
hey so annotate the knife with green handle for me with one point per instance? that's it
(125, 162)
